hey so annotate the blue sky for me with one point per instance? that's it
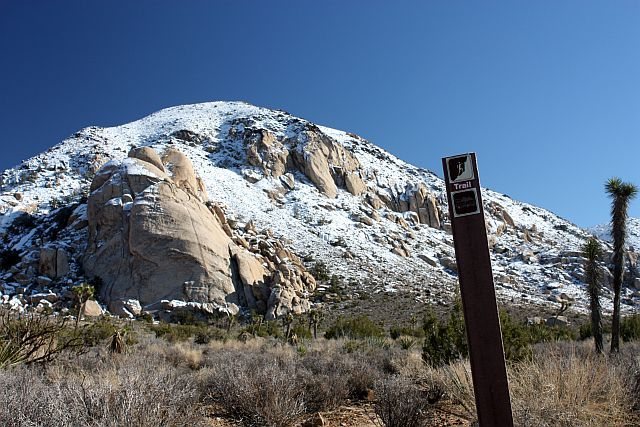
(547, 93)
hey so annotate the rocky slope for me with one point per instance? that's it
(282, 189)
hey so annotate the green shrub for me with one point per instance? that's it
(301, 330)
(445, 341)
(407, 343)
(396, 332)
(97, 332)
(354, 328)
(264, 329)
(320, 271)
(206, 335)
(178, 333)
(630, 328)
(518, 337)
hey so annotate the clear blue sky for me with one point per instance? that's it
(546, 92)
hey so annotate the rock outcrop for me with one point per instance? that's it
(53, 263)
(151, 238)
(320, 158)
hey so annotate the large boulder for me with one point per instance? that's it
(53, 263)
(150, 238)
(153, 239)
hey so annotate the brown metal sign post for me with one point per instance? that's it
(481, 319)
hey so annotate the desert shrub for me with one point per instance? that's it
(400, 403)
(188, 317)
(257, 388)
(184, 354)
(97, 332)
(177, 333)
(518, 337)
(362, 371)
(301, 330)
(445, 341)
(9, 258)
(320, 271)
(326, 380)
(206, 335)
(396, 332)
(140, 391)
(32, 338)
(407, 343)
(571, 386)
(354, 327)
(585, 331)
(263, 329)
(630, 328)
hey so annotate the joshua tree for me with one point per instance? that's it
(621, 194)
(315, 318)
(287, 320)
(593, 252)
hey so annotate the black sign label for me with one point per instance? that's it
(465, 202)
(460, 168)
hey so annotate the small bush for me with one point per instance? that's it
(259, 389)
(262, 329)
(320, 271)
(396, 332)
(630, 328)
(518, 337)
(178, 333)
(407, 343)
(32, 338)
(135, 391)
(400, 403)
(326, 381)
(301, 330)
(445, 341)
(354, 328)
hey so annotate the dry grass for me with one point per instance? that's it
(265, 382)
(566, 384)
(569, 386)
(127, 390)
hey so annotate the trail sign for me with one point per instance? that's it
(490, 384)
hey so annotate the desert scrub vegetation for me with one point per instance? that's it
(30, 338)
(265, 381)
(97, 390)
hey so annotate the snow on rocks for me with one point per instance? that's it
(332, 196)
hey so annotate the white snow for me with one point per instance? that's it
(315, 225)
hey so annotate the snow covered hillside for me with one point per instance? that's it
(633, 232)
(372, 234)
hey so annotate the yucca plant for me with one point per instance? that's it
(593, 252)
(621, 193)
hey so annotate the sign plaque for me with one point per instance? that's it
(486, 354)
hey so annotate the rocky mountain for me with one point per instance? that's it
(224, 206)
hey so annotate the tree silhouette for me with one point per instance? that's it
(593, 252)
(621, 193)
